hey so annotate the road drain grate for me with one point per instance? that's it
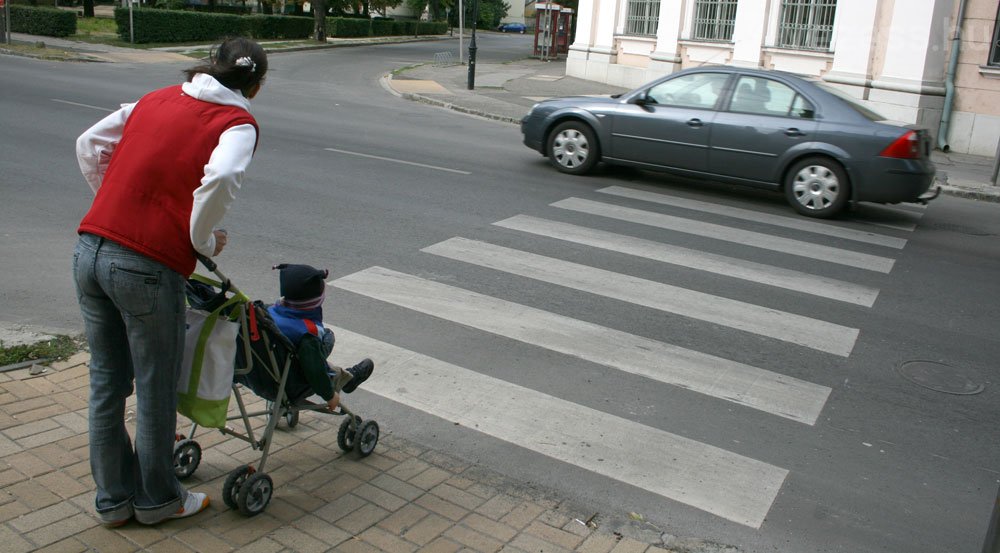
(941, 377)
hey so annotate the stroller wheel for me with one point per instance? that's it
(345, 436)
(367, 438)
(187, 456)
(235, 481)
(292, 418)
(255, 494)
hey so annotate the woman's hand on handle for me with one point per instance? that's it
(220, 241)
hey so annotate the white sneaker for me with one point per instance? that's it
(194, 503)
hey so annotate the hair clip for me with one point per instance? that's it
(245, 61)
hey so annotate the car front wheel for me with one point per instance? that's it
(817, 187)
(572, 148)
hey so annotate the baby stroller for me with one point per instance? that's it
(266, 364)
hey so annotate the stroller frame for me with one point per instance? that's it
(248, 488)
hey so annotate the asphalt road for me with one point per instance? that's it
(800, 432)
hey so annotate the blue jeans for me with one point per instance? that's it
(134, 316)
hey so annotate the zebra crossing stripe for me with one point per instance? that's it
(763, 321)
(746, 385)
(726, 484)
(731, 234)
(719, 264)
(758, 217)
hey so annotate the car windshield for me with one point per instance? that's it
(850, 101)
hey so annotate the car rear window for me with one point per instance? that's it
(850, 101)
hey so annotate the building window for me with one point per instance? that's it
(995, 48)
(642, 18)
(806, 24)
(714, 20)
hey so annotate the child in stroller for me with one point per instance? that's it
(298, 313)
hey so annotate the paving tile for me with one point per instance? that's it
(628, 545)
(386, 541)
(445, 461)
(244, 531)
(597, 543)
(168, 546)
(338, 487)
(48, 411)
(61, 529)
(106, 541)
(321, 530)
(74, 421)
(397, 487)
(340, 507)
(523, 514)
(202, 540)
(298, 541)
(44, 438)
(430, 478)
(408, 469)
(362, 519)
(11, 476)
(440, 506)
(9, 447)
(554, 535)
(281, 509)
(33, 494)
(44, 517)
(492, 528)
(441, 545)
(427, 529)
(403, 519)
(577, 526)
(262, 545)
(528, 542)
(472, 539)
(28, 464)
(356, 545)
(68, 545)
(497, 507)
(56, 455)
(12, 542)
(457, 496)
(30, 428)
(380, 497)
(13, 509)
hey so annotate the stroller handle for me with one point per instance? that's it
(208, 263)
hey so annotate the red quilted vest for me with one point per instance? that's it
(145, 199)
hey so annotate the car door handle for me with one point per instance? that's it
(794, 132)
(695, 122)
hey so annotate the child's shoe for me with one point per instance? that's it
(359, 373)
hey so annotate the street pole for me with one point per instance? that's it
(5, 28)
(131, 22)
(461, 32)
(472, 46)
(996, 166)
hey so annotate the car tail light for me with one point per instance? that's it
(904, 147)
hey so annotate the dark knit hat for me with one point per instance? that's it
(301, 282)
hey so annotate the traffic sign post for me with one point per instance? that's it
(5, 24)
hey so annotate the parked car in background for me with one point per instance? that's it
(760, 128)
(512, 28)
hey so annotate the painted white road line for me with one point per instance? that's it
(788, 279)
(394, 160)
(758, 217)
(763, 321)
(98, 108)
(753, 387)
(731, 486)
(730, 234)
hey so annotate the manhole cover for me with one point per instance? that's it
(941, 377)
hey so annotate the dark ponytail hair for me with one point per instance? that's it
(238, 63)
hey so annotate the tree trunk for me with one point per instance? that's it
(88, 8)
(319, 20)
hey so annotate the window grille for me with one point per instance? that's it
(806, 24)
(643, 17)
(995, 48)
(714, 20)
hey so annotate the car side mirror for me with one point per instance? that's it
(640, 99)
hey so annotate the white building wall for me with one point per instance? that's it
(891, 54)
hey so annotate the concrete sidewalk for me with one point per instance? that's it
(506, 92)
(403, 498)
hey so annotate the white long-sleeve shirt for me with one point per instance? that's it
(224, 171)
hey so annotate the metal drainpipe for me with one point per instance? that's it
(949, 83)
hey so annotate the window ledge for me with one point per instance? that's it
(797, 52)
(638, 38)
(990, 71)
(708, 43)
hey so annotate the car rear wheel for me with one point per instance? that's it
(817, 187)
(572, 148)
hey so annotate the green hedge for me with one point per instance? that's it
(152, 25)
(348, 27)
(353, 27)
(42, 21)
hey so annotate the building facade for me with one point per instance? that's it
(895, 55)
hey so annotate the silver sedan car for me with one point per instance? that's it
(760, 128)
